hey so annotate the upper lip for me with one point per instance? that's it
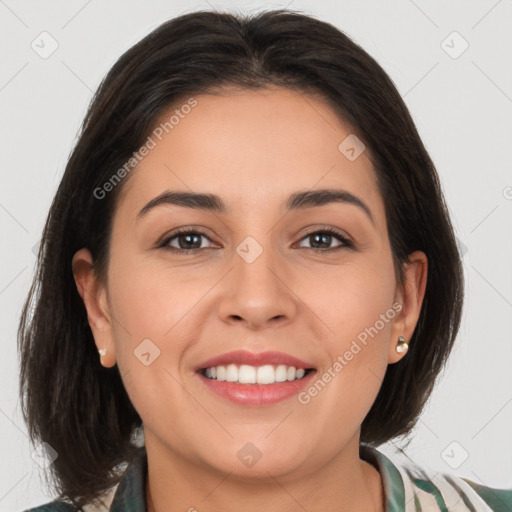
(254, 359)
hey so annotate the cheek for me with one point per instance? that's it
(152, 311)
(149, 298)
(355, 298)
(345, 389)
(357, 305)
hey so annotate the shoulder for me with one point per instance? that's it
(433, 488)
(58, 505)
(410, 487)
(128, 492)
(53, 506)
(497, 499)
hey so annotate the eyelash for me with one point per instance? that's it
(187, 231)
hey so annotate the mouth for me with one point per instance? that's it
(254, 379)
(261, 375)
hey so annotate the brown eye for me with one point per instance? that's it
(322, 239)
(188, 241)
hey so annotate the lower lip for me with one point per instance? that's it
(257, 394)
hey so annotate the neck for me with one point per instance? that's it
(176, 484)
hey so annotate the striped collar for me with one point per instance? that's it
(411, 488)
(407, 488)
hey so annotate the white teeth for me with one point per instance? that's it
(221, 373)
(282, 373)
(266, 374)
(246, 374)
(231, 373)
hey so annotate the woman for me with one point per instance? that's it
(252, 237)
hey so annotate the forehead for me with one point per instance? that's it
(252, 148)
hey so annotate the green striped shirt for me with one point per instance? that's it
(407, 488)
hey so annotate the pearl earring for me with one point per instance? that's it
(402, 345)
(102, 352)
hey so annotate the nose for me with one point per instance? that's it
(258, 293)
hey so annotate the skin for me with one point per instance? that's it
(254, 149)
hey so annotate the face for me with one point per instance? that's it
(261, 274)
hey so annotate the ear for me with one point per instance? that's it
(410, 297)
(94, 295)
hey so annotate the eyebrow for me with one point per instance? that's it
(296, 201)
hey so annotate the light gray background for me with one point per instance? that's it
(462, 107)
